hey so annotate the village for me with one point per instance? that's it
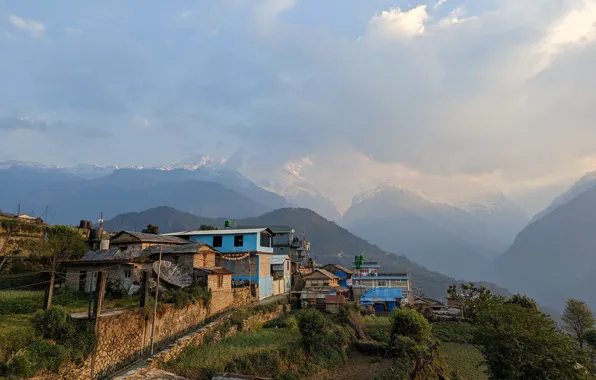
(270, 260)
(182, 280)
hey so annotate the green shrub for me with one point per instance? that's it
(285, 321)
(20, 366)
(47, 356)
(183, 297)
(263, 363)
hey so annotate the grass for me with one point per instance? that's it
(465, 359)
(218, 355)
(378, 328)
(454, 332)
(197, 361)
(27, 302)
(16, 331)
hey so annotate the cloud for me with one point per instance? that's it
(396, 22)
(500, 92)
(14, 124)
(34, 28)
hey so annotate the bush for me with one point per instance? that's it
(76, 336)
(285, 321)
(47, 356)
(183, 297)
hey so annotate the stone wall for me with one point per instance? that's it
(124, 336)
(197, 338)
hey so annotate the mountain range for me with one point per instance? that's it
(331, 243)
(458, 240)
(554, 258)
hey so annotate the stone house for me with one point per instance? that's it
(215, 279)
(344, 274)
(124, 267)
(319, 284)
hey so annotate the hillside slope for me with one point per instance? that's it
(330, 242)
(553, 258)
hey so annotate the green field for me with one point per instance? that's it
(465, 359)
(193, 361)
(378, 328)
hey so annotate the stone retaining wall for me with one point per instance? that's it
(125, 336)
(197, 338)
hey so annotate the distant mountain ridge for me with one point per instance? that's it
(330, 242)
(584, 184)
(553, 258)
(433, 233)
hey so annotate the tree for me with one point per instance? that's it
(472, 299)
(207, 227)
(61, 243)
(414, 348)
(151, 229)
(523, 301)
(522, 343)
(578, 319)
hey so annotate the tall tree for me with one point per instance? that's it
(473, 299)
(61, 243)
(151, 229)
(521, 343)
(578, 319)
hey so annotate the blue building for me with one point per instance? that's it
(246, 252)
(381, 300)
(344, 274)
(367, 276)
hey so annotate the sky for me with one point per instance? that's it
(443, 94)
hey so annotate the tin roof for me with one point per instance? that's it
(340, 268)
(278, 259)
(179, 249)
(229, 231)
(151, 238)
(381, 295)
(323, 272)
(214, 270)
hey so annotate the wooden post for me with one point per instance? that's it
(101, 286)
(100, 289)
(145, 291)
(47, 301)
(155, 306)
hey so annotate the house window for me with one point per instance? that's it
(217, 241)
(238, 240)
(82, 280)
(127, 273)
(220, 280)
(265, 240)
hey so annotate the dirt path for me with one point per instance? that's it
(358, 367)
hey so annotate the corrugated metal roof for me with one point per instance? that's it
(276, 228)
(382, 295)
(322, 271)
(180, 249)
(101, 255)
(341, 268)
(371, 278)
(214, 270)
(278, 259)
(151, 238)
(229, 231)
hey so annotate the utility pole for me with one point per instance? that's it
(155, 305)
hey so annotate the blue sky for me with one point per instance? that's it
(498, 92)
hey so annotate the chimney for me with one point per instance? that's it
(104, 245)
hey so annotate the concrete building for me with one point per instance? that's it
(280, 270)
(367, 274)
(246, 252)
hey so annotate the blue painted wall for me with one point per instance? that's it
(344, 282)
(252, 242)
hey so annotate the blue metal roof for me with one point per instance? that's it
(381, 295)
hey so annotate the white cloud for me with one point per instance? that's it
(396, 22)
(34, 28)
